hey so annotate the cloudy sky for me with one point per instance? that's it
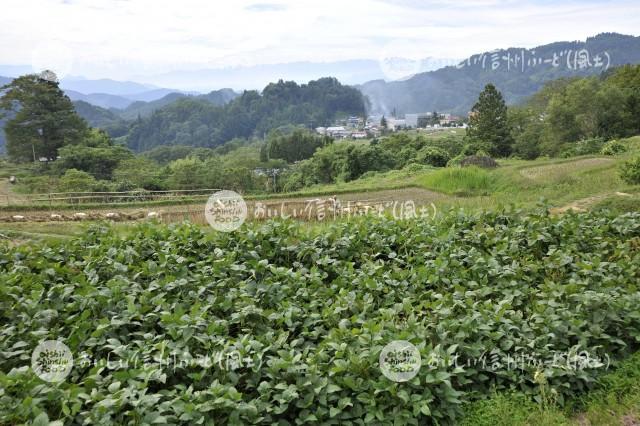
(124, 38)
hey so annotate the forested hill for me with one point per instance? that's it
(517, 73)
(197, 122)
(102, 118)
(144, 109)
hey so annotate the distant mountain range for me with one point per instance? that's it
(517, 73)
(256, 77)
(114, 94)
(105, 93)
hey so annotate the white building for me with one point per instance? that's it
(338, 132)
(395, 123)
(412, 120)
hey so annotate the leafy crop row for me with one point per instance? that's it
(309, 315)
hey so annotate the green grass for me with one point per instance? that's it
(620, 204)
(616, 399)
(465, 182)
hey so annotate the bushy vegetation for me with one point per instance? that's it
(577, 116)
(613, 147)
(344, 162)
(309, 314)
(630, 171)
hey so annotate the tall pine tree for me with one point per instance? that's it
(42, 118)
(488, 127)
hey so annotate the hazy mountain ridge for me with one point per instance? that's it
(117, 121)
(105, 85)
(355, 71)
(455, 89)
(108, 100)
(103, 100)
(144, 109)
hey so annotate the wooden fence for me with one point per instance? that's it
(56, 198)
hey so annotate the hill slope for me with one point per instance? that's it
(145, 109)
(517, 72)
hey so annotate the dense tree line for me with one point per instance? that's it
(575, 116)
(293, 146)
(344, 162)
(199, 123)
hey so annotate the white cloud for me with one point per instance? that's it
(132, 37)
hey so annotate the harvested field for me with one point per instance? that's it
(555, 171)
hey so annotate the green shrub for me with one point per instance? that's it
(613, 148)
(433, 156)
(630, 171)
(583, 147)
(415, 168)
(455, 161)
(76, 181)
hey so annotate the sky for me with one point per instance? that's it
(124, 38)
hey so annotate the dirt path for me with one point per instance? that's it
(584, 204)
